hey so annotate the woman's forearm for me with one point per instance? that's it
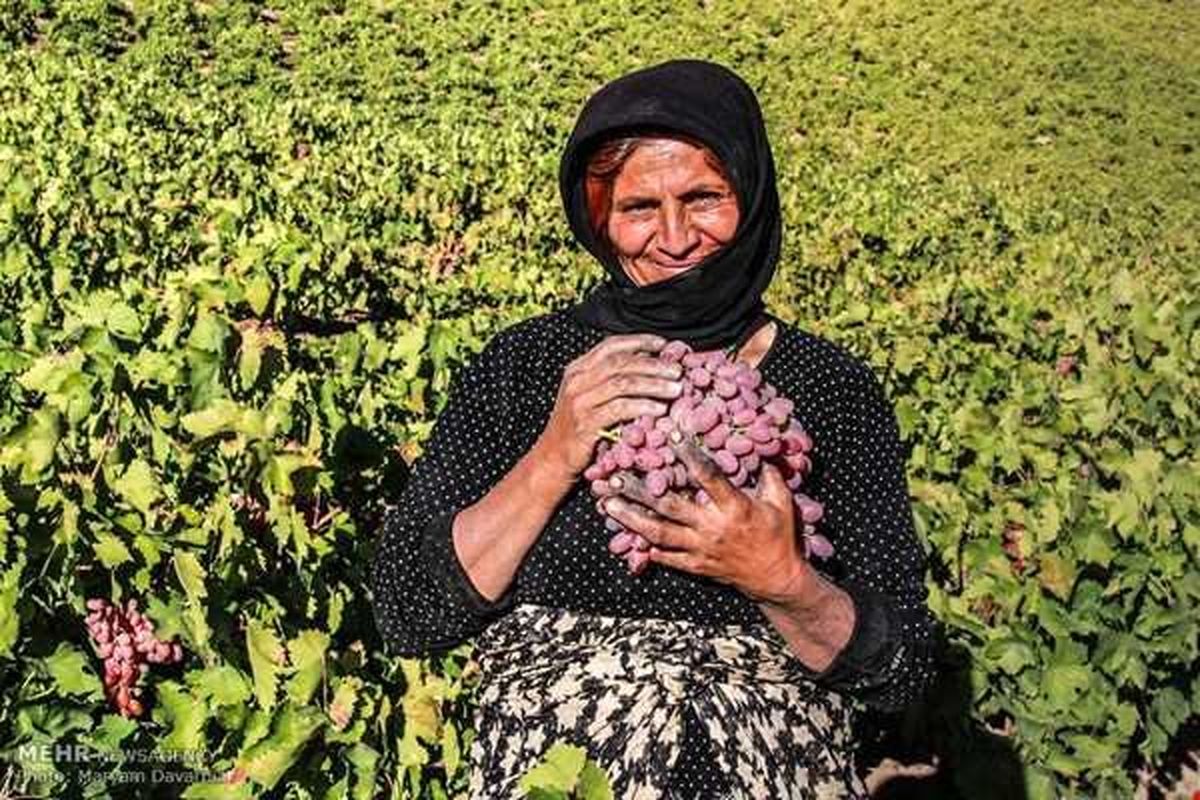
(492, 536)
(816, 620)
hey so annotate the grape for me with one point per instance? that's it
(737, 418)
(743, 416)
(810, 510)
(125, 640)
(748, 379)
(760, 433)
(739, 444)
(726, 460)
(633, 435)
(703, 419)
(657, 482)
(725, 388)
(648, 460)
(768, 449)
(779, 409)
(715, 439)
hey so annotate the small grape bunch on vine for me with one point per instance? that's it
(739, 420)
(124, 638)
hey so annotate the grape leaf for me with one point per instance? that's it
(111, 551)
(269, 759)
(139, 486)
(306, 651)
(266, 659)
(71, 671)
(10, 618)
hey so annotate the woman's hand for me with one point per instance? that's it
(746, 541)
(616, 381)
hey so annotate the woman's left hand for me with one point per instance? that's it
(746, 540)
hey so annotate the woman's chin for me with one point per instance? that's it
(647, 274)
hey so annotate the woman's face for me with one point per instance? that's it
(670, 210)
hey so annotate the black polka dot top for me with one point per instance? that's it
(499, 405)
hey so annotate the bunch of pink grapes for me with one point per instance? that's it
(739, 420)
(125, 639)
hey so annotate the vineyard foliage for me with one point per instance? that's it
(245, 248)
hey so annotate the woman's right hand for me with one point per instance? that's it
(618, 380)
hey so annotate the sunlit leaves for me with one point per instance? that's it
(267, 657)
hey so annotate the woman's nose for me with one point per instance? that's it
(677, 237)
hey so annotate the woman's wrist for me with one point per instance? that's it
(550, 464)
(796, 588)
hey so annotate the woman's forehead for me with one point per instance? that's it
(662, 159)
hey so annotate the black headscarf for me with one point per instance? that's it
(718, 302)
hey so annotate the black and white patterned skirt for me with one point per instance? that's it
(668, 708)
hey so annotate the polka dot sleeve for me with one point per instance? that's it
(888, 661)
(423, 599)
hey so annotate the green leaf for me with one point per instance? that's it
(451, 752)
(559, 770)
(112, 730)
(266, 659)
(1095, 546)
(209, 334)
(224, 416)
(111, 551)
(365, 761)
(345, 697)
(422, 702)
(225, 684)
(1011, 655)
(191, 576)
(139, 486)
(306, 651)
(123, 321)
(258, 293)
(1056, 574)
(32, 446)
(268, 760)
(219, 790)
(1064, 683)
(1143, 472)
(184, 714)
(10, 618)
(593, 783)
(71, 671)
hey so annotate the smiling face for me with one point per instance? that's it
(670, 208)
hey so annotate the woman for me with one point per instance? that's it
(728, 666)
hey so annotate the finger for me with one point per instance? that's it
(703, 469)
(676, 559)
(654, 529)
(624, 409)
(627, 343)
(670, 505)
(638, 364)
(625, 384)
(773, 489)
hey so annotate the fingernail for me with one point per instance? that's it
(615, 482)
(676, 436)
